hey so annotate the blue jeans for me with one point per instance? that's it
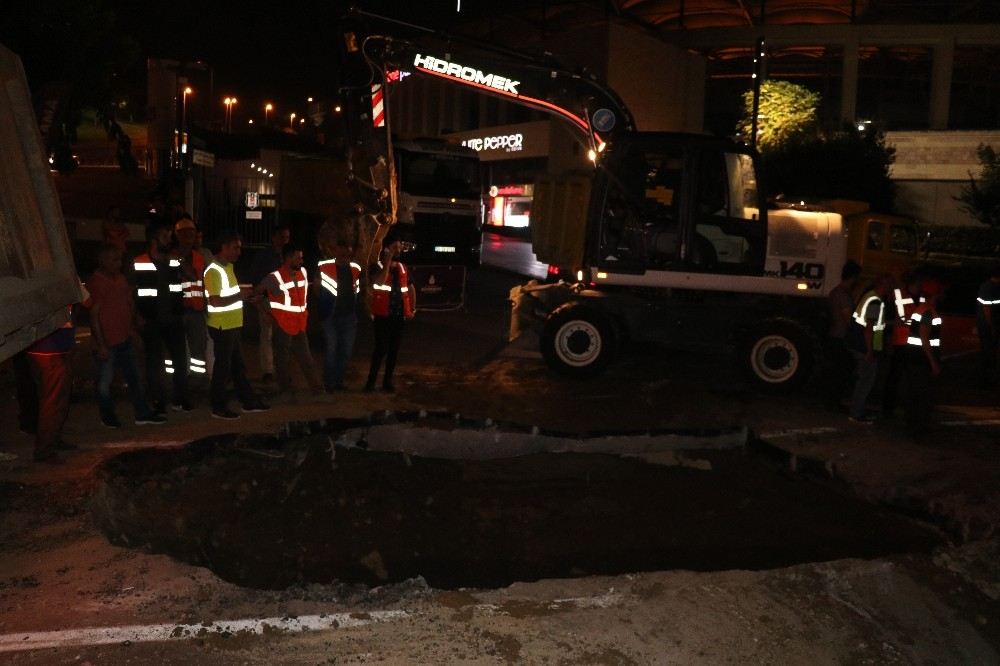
(121, 356)
(339, 332)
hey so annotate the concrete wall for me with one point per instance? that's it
(662, 84)
(930, 170)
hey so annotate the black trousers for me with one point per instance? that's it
(388, 334)
(164, 342)
(896, 376)
(229, 365)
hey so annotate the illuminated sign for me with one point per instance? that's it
(470, 74)
(509, 143)
(395, 76)
(510, 191)
(252, 199)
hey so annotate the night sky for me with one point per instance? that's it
(264, 54)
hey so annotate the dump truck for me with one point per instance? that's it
(38, 279)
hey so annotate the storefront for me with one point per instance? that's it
(513, 156)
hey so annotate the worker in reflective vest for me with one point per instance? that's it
(159, 303)
(340, 287)
(224, 318)
(904, 302)
(287, 289)
(865, 340)
(393, 301)
(192, 271)
(924, 342)
(988, 327)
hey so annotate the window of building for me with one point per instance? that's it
(894, 86)
(975, 89)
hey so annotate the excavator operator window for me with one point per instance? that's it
(641, 223)
(729, 235)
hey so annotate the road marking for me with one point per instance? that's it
(821, 430)
(977, 422)
(150, 633)
(146, 444)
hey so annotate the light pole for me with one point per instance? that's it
(184, 105)
(225, 119)
(267, 109)
(229, 102)
(291, 121)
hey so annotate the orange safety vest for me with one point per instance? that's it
(381, 294)
(904, 311)
(289, 307)
(925, 315)
(328, 276)
(194, 291)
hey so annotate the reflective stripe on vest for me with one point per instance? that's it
(146, 276)
(381, 294)
(328, 275)
(933, 337)
(289, 308)
(194, 291)
(226, 289)
(859, 314)
(293, 300)
(901, 327)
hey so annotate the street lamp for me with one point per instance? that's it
(291, 121)
(229, 102)
(184, 105)
(267, 109)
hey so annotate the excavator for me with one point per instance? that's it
(662, 236)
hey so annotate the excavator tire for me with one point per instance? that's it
(578, 341)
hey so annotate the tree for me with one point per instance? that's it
(849, 164)
(81, 43)
(801, 162)
(981, 199)
(787, 114)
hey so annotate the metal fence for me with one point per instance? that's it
(222, 207)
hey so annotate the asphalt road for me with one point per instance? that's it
(512, 254)
(67, 595)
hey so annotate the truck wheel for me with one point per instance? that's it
(578, 341)
(778, 356)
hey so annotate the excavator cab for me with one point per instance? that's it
(657, 202)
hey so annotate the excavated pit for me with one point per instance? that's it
(480, 506)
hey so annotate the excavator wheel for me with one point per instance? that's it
(778, 355)
(578, 341)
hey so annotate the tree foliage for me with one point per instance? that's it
(787, 114)
(981, 197)
(800, 162)
(849, 164)
(80, 43)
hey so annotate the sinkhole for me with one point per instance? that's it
(467, 503)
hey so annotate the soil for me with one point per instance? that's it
(273, 512)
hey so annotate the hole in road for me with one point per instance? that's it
(270, 512)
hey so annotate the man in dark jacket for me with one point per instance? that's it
(160, 305)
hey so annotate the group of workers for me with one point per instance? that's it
(187, 307)
(201, 295)
(893, 332)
